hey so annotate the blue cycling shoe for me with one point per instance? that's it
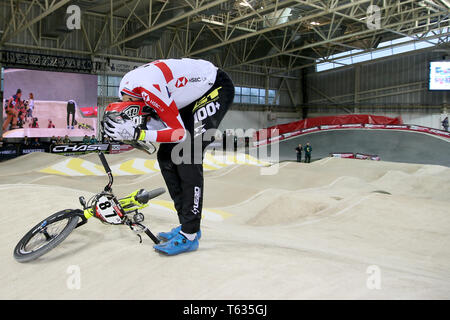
(178, 244)
(166, 236)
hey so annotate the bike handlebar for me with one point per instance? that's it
(107, 169)
(104, 162)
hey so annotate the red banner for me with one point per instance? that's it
(352, 119)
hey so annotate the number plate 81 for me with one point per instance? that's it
(108, 211)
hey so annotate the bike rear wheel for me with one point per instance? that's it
(46, 235)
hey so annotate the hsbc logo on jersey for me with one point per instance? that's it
(181, 82)
(151, 102)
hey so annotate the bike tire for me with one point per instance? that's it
(21, 255)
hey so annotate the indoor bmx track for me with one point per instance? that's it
(308, 231)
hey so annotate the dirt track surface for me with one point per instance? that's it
(311, 231)
(390, 145)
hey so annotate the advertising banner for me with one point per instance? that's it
(118, 148)
(310, 129)
(77, 149)
(120, 67)
(363, 156)
(8, 152)
(346, 155)
(374, 126)
(419, 128)
(354, 125)
(396, 127)
(31, 150)
(329, 127)
(440, 133)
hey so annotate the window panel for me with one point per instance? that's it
(101, 80)
(262, 100)
(112, 91)
(237, 98)
(254, 92)
(345, 61)
(405, 48)
(385, 44)
(381, 53)
(337, 55)
(237, 90)
(404, 39)
(271, 93)
(422, 45)
(245, 91)
(324, 66)
(245, 99)
(435, 41)
(114, 81)
(362, 57)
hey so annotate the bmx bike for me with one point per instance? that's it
(50, 232)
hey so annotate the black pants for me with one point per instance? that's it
(185, 179)
(299, 157)
(307, 157)
(70, 111)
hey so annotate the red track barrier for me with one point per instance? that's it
(273, 136)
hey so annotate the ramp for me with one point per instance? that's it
(390, 145)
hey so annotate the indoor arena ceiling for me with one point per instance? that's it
(280, 34)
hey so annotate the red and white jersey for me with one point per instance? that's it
(167, 86)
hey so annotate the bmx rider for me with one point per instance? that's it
(190, 97)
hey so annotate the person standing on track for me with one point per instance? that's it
(190, 97)
(445, 124)
(308, 150)
(71, 107)
(299, 150)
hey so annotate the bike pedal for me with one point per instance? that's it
(137, 228)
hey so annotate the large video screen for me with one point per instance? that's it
(440, 75)
(46, 104)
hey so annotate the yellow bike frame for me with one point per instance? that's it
(128, 204)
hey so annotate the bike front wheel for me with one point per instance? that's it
(46, 235)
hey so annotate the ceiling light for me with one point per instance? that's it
(314, 23)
